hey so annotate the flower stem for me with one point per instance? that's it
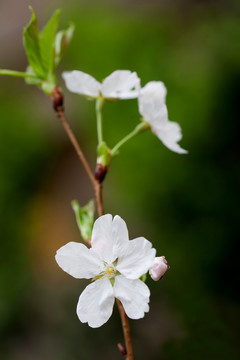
(16, 73)
(99, 105)
(138, 129)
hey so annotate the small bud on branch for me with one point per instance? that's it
(122, 349)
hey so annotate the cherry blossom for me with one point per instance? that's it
(152, 106)
(115, 264)
(121, 84)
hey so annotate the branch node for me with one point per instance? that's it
(100, 172)
(57, 99)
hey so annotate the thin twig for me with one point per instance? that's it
(126, 331)
(96, 185)
(57, 98)
(98, 192)
(74, 142)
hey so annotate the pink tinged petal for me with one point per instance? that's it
(95, 304)
(159, 267)
(79, 261)
(102, 239)
(136, 258)
(121, 84)
(81, 83)
(170, 133)
(134, 295)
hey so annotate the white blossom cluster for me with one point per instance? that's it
(124, 84)
(114, 263)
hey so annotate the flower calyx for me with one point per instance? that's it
(104, 156)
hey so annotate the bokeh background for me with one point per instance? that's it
(187, 205)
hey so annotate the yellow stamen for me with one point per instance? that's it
(109, 271)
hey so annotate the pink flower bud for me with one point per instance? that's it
(158, 268)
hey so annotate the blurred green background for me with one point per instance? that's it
(187, 205)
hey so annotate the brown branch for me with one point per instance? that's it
(57, 99)
(98, 192)
(76, 146)
(126, 331)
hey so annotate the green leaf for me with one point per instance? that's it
(47, 43)
(85, 218)
(31, 43)
(62, 40)
(41, 53)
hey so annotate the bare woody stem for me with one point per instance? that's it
(57, 99)
(126, 331)
(76, 146)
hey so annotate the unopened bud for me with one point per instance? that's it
(159, 267)
(122, 349)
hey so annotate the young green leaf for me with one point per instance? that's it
(31, 44)
(62, 40)
(47, 43)
(85, 218)
(44, 51)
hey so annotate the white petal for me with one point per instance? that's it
(109, 236)
(119, 235)
(155, 89)
(121, 84)
(136, 258)
(102, 239)
(134, 295)
(95, 304)
(170, 133)
(81, 83)
(79, 261)
(151, 101)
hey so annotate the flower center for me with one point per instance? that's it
(110, 271)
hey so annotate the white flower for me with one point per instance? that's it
(121, 84)
(152, 107)
(159, 267)
(115, 263)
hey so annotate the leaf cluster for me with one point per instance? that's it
(44, 50)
